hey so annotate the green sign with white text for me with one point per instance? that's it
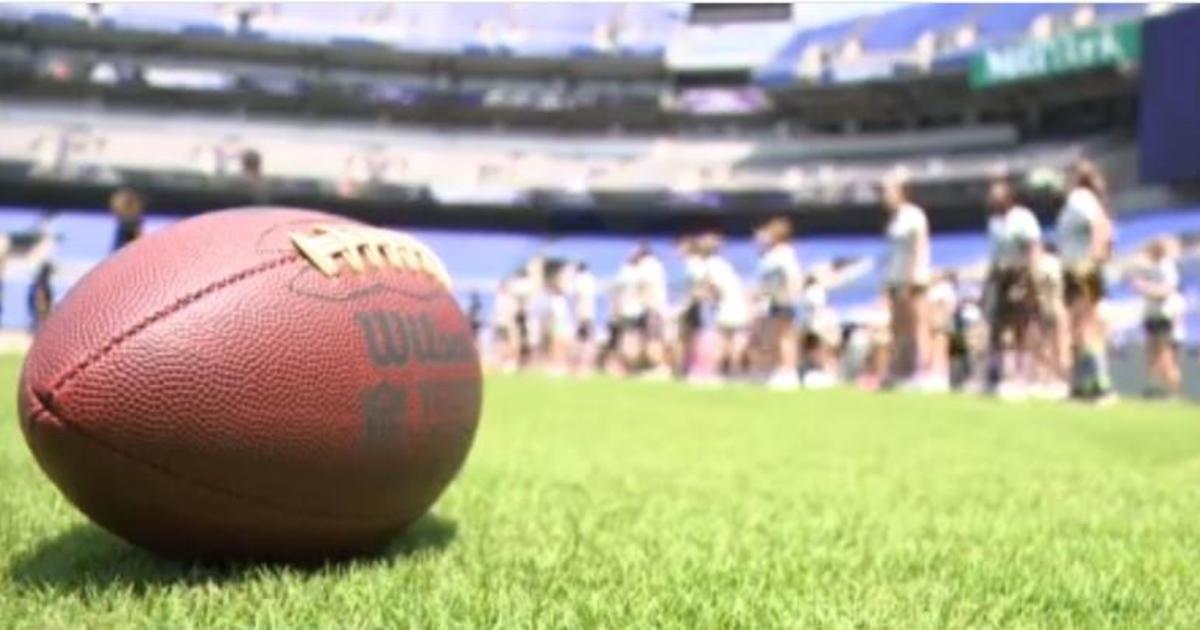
(1095, 47)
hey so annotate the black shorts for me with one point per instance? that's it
(784, 312)
(638, 323)
(1083, 286)
(1016, 300)
(896, 291)
(691, 319)
(1158, 327)
(583, 332)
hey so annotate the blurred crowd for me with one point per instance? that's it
(1036, 328)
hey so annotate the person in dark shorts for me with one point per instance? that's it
(779, 283)
(1163, 306)
(1085, 244)
(1015, 237)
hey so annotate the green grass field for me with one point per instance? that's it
(632, 505)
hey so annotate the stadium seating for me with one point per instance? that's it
(518, 28)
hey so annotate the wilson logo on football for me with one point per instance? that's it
(330, 248)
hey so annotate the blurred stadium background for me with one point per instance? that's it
(499, 131)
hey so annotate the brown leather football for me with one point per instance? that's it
(259, 382)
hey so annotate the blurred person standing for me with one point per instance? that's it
(779, 280)
(1011, 298)
(820, 335)
(691, 307)
(583, 295)
(1162, 314)
(731, 314)
(41, 294)
(127, 206)
(558, 321)
(907, 276)
(1050, 335)
(943, 305)
(505, 346)
(630, 312)
(1085, 244)
(652, 281)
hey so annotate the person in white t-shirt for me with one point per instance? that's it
(629, 309)
(943, 303)
(505, 346)
(1163, 306)
(1085, 244)
(1015, 236)
(691, 308)
(653, 287)
(778, 288)
(583, 296)
(558, 321)
(731, 314)
(907, 276)
(820, 334)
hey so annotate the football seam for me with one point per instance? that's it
(163, 313)
(44, 408)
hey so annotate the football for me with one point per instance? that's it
(256, 383)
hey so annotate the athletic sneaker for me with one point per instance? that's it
(1011, 391)
(783, 380)
(819, 379)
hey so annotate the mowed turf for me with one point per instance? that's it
(629, 505)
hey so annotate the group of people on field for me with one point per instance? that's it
(1037, 328)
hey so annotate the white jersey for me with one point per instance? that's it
(504, 309)
(1076, 222)
(732, 310)
(694, 270)
(583, 290)
(1163, 273)
(813, 300)
(653, 282)
(558, 316)
(627, 292)
(779, 274)
(908, 246)
(1011, 233)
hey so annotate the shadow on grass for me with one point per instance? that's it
(86, 558)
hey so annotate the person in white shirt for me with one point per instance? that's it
(558, 321)
(731, 315)
(629, 308)
(943, 302)
(690, 314)
(653, 287)
(1015, 236)
(907, 275)
(1163, 307)
(820, 334)
(505, 342)
(583, 296)
(526, 290)
(1085, 244)
(779, 280)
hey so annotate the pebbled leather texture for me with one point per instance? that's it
(206, 392)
